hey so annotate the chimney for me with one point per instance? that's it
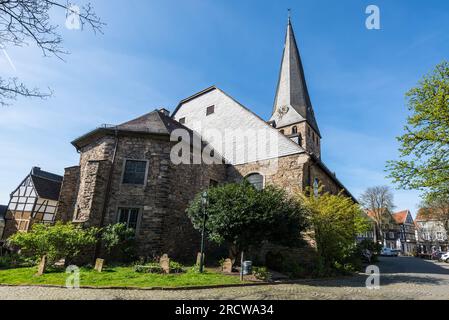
(164, 112)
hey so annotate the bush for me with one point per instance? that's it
(15, 260)
(176, 267)
(119, 242)
(336, 222)
(149, 268)
(261, 273)
(60, 241)
(155, 267)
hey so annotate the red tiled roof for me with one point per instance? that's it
(426, 214)
(400, 216)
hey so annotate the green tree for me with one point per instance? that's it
(241, 216)
(336, 221)
(424, 151)
(59, 241)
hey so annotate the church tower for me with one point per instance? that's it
(292, 112)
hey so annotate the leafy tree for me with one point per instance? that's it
(24, 22)
(60, 241)
(241, 216)
(424, 151)
(336, 221)
(379, 201)
(119, 241)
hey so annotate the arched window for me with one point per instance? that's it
(316, 187)
(300, 140)
(282, 131)
(294, 130)
(256, 180)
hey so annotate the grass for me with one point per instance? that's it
(116, 277)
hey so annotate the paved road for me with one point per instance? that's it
(401, 278)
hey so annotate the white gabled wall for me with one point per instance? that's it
(255, 140)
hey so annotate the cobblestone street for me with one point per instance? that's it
(401, 278)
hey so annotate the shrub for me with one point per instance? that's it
(176, 267)
(60, 241)
(119, 242)
(155, 267)
(149, 268)
(261, 273)
(15, 260)
(336, 221)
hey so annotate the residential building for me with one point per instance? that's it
(432, 234)
(407, 231)
(3, 210)
(34, 200)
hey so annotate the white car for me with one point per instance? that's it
(445, 257)
(387, 252)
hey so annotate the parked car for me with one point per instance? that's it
(388, 252)
(445, 257)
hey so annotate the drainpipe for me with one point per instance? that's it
(108, 191)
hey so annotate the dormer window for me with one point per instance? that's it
(295, 130)
(210, 110)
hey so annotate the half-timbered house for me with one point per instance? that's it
(34, 200)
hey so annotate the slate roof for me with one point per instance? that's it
(292, 89)
(46, 184)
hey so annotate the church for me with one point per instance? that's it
(129, 172)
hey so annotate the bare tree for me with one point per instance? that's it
(380, 202)
(25, 22)
(436, 208)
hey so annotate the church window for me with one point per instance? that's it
(316, 187)
(182, 120)
(282, 131)
(129, 217)
(294, 130)
(135, 172)
(210, 110)
(300, 140)
(256, 180)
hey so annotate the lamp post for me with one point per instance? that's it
(203, 230)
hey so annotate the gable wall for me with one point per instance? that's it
(230, 116)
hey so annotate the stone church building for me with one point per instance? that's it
(127, 174)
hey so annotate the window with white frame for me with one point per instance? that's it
(129, 217)
(134, 172)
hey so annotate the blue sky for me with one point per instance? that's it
(155, 53)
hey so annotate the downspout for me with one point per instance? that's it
(108, 191)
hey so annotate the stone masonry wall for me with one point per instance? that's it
(68, 194)
(181, 240)
(285, 172)
(310, 140)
